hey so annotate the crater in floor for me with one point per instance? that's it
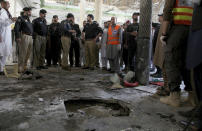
(97, 107)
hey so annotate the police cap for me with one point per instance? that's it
(70, 15)
(160, 14)
(42, 11)
(55, 16)
(27, 9)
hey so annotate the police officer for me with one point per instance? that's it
(175, 40)
(54, 49)
(91, 32)
(75, 47)
(66, 30)
(40, 37)
(132, 31)
(23, 34)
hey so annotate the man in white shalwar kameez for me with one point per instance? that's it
(5, 34)
(104, 46)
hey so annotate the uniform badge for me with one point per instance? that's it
(115, 32)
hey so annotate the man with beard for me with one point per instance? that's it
(5, 34)
(132, 31)
(54, 49)
(23, 34)
(91, 32)
(66, 30)
(40, 36)
(114, 42)
(75, 47)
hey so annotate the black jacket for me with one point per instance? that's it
(40, 27)
(65, 26)
(23, 25)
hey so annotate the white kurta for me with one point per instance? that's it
(5, 32)
(104, 43)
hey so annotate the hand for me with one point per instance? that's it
(125, 46)
(18, 40)
(73, 31)
(163, 40)
(95, 40)
(133, 33)
(14, 19)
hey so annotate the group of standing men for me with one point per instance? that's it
(40, 45)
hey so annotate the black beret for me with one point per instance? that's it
(42, 11)
(136, 13)
(1, 0)
(27, 9)
(55, 16)
(91, 16)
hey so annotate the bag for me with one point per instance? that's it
(11, 71)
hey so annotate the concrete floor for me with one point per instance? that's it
(38, 105)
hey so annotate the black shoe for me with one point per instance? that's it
(43, 67)
(189, 113)
(112, 71)
(48, 65)
(92, 68)
(85, 68)
(2, 74)
(157, 75)
(109, 69)
(104, 68)
(78, 65)
(38, 68)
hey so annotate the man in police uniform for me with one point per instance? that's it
(66, 30)
(179, 12)
(23, 34)
(75, 47)
(131, 31)
(40, 36)
(54, 49)
(91, 32)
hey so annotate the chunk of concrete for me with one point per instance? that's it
(23, 126)
(129, 76)
(115, 79)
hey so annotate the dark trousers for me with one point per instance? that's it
(53, 51)
(198, 88)
(131, 58)
(125, 57)
(74, 49)
(175, 53)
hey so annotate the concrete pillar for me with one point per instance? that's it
(98, 11)
(15, 8)
(82, 6)
(143, 45)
